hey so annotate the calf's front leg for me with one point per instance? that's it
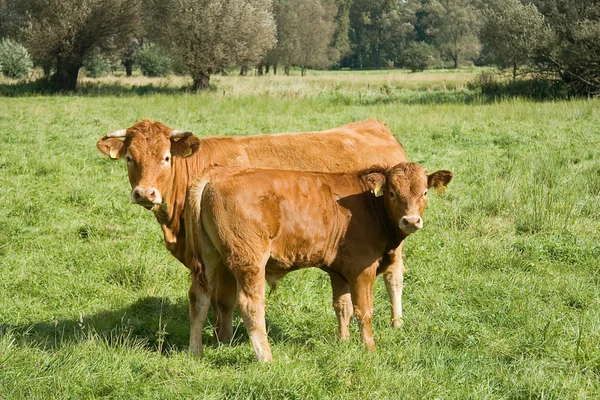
(393, 277)
(342, 304)
(361, 290)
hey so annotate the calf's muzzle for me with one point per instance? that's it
(411, 223)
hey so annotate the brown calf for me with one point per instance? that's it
(162, 163)
(255, 224)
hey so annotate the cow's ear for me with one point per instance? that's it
(439, 180)
(184, 147)
(111, 147)
(376, 182)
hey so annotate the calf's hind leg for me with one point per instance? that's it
(251, 303)
(225, 296)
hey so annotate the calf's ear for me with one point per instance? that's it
(111, 147)
(439, 180)
(185, 146)
(376, 182)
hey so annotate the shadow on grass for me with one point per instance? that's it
(152, 323)
(88, 89)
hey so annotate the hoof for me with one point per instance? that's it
(397, 323)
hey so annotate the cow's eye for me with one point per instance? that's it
(425, 193)
(167, 159)
(128, 159)
(392, 195)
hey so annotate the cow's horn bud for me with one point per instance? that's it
(180, 134)
(119, 133)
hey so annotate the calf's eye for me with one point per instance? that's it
(167, 159)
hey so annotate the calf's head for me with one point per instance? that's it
(149, 149)
(404, 188)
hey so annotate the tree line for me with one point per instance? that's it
(554, 39)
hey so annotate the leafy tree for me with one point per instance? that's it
(305, 32)
(153, 60)
(209, 35)
(511, 32)
(379, 31)
(419, 56)
(65, 31)
(571, 49)
(453, 25)
(96, 64)
(15, 61)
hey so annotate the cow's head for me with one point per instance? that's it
(404, 189)
(150, 149)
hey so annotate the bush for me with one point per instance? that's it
(96, 64)
(15, 61)
(153, 61)
(419, 56)
(541, 88)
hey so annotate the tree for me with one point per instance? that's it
(453, 25)
(571, 49)
(379, 31)
(511, 32)
(209, 35)
(65, 31)
(305, 34)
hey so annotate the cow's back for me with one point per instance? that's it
(347, 148)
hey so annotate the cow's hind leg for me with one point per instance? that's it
(394, 281)
(361, 289)
(342, 304)
(225, 297)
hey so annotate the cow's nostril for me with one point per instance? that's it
(136, 195)
(152, 195)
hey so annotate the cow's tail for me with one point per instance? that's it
(193, 232)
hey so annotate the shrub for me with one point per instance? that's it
(542, 88)
(15, 61)
(153, 61)
(419, 56)
(96, 64)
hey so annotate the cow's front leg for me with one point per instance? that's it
(361, 289)
(342, 304)
(394, 281)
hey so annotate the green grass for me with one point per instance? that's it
(502, 294)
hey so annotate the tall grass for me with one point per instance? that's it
(502, 293)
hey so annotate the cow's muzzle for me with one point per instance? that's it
(146, 197)
(411, 223)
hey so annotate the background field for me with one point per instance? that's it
(502, 293)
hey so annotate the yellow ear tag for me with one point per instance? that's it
(114, 154)
(187, 152)
(378, 191)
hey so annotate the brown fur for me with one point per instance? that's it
(265, 223)
(350, 147)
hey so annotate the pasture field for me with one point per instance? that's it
(502, 292)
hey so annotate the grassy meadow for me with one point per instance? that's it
(502, 292)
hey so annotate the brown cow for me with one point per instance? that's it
(163, 162)
(259, 223)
